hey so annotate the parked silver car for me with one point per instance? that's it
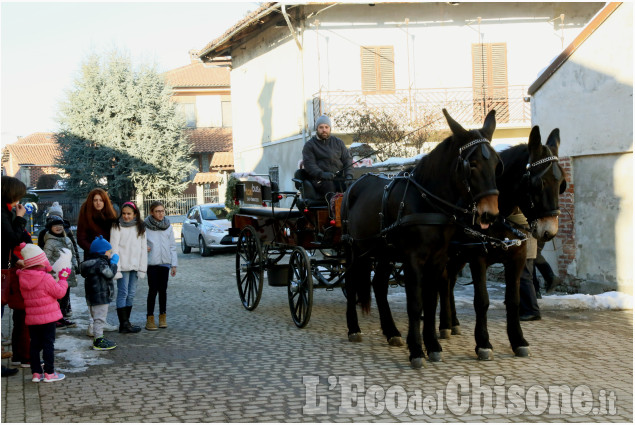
(205, 227)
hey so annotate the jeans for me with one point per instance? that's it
(126, 289)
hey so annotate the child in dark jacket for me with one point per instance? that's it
(41, 292)
(98, 270)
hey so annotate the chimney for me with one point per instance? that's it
(193, 56)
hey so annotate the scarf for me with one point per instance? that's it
(154, 224)
(130, 223)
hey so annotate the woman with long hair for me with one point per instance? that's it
(96, 217)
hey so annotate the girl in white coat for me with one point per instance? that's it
(161, 262)
(128, 239)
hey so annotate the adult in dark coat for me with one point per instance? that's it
(13, 228)
(326, 159)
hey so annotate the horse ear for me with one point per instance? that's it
(456, 128)
(535, 144)
(553, 142)
(489, 125)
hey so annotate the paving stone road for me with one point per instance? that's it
(217, 362)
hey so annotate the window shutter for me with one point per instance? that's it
(369, 71)
(489, 80)
(378, 69)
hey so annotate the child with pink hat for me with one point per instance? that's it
(41, 292)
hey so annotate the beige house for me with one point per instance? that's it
(31, 157)
(203, 96)
(587, 91)
(291, 63)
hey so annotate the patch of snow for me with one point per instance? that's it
(77, 351)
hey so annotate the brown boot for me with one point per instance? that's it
(150, 324)
(162, 322)
(7, 354)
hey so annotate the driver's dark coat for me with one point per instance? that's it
(330, 155)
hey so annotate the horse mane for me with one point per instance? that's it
(435, 163)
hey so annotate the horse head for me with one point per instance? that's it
(477, 166)
(545, 182)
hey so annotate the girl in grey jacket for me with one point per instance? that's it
(162, 262)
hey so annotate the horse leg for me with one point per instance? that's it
(483, 348)
(353, 281)
(380, 287)
(430, 293)
(513, 270)
(414, 309)
(448, 321)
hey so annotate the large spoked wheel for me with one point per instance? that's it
(249, 268)
(300, 288)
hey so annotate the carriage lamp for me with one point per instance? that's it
(332, 222)
(306, 210)
(279, 197)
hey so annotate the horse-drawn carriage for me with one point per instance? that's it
(410, 219)
(297, 246)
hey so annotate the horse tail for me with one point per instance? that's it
(363, 298)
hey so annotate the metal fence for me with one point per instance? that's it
(463, 103)
(175, 205)
(70, 209)
(211, 195)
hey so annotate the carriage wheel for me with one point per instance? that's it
(249, 268)
(300, 288)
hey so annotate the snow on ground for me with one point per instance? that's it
(75, 348)
(464, 297)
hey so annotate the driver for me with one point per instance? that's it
(326, 159)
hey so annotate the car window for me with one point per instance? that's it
(213, 213)
(190, 214)
(196, 215)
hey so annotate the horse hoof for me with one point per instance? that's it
(444, 333)
(396, 341)
(485, 354)
(522, 352)
(456, 330)
(356, 337)
(435, 356)
(417, 363)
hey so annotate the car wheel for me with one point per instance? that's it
(205, 251)
(186, 249)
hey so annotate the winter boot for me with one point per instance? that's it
(124, 324)
(162, 321)
(150, 325)
(131, 327)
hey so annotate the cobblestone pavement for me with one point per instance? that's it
(217, 362)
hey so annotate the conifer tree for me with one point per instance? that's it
(120, 132)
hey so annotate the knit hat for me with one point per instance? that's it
(33, 255)
(52, 220)
(100, 245)
(322, 120)
(56, 209)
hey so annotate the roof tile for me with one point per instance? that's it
(198, 75)
(207, 140)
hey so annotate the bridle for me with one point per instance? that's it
(463, 164)
(529, 178)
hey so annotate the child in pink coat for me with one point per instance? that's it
(41, 292)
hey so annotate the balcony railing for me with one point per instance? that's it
(466, 105)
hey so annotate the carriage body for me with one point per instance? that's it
(296, 246)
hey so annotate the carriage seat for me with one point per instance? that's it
(309, 196)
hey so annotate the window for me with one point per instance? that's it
(378, 69)
(188, 111)
(489, 80)
(226, 109)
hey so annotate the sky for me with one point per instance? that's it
(43, 44)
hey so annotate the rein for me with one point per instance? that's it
(528, 178)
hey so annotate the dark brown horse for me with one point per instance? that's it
(411, 219)
(532, 182)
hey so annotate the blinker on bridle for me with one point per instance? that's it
(529, 177)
